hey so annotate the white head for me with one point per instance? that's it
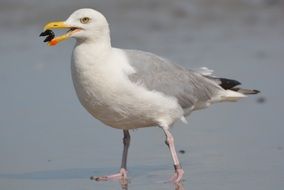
(91, 24)
(84, 25)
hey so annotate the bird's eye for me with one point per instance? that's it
(85, 20)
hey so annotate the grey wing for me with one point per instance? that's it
(155, 73)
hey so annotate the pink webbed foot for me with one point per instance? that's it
(177, 177)
(121, 175)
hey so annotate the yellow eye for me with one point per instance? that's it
(85, 20)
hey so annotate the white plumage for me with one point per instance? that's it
(105, 90)
(129, 89)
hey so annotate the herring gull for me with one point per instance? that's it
(129, 89)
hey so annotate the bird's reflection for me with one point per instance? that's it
(124, 185)
(179, 186)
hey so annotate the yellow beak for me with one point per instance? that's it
(58, 25)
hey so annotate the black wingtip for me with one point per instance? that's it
(228, 83)
(245, 91)
(256, 91)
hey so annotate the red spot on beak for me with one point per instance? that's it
(52, 42)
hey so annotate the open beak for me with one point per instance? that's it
(60, 25)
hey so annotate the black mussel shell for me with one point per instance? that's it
(50, 35)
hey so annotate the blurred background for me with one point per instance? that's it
(48, 141)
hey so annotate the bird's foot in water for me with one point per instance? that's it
(177, 177)
(121, 175)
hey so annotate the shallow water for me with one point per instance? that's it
(48, 141)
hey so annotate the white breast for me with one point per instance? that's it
(104, 89)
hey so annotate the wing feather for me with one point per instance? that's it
(155, 73)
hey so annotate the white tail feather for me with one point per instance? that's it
(231, 96)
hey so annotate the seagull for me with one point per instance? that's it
(130, 89)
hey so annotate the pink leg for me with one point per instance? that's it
(170, 143)
(122, 174)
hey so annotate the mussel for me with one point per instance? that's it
(50, 35)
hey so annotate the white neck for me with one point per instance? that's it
(92, 50)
